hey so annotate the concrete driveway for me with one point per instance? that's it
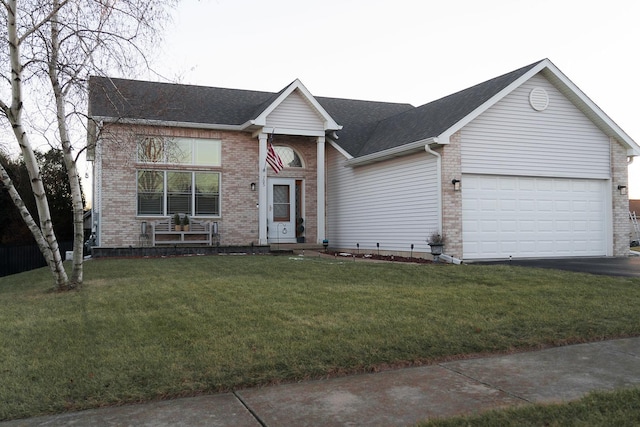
(629, 267)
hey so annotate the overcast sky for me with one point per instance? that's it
(408, 50)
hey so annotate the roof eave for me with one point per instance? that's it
(445, 136)
(403, 150)
(589, 108)
(171, 123)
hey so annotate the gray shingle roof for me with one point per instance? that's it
(133, 99)
(432, 119)
(368, 127)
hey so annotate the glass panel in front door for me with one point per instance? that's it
(281, 203)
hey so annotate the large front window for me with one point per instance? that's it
(180, 151)
(166, 193)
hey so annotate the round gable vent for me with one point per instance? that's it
(539, 99)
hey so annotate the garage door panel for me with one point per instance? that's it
(509, 226)
(508, 205)
(564, 206)
(545, 206)
(532, 217)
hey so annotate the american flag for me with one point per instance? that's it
(273, 159)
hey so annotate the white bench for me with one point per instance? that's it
(200, 233)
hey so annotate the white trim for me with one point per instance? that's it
(276, 234)
(169, 123)
(262, 190)
(391, 152)
(320, 176)
(289, 131)
(340, 149)
(446, 135)
(329, 123)
(438, 157)
(599, 117)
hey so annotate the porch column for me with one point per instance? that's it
(262, 189)
(321, 190)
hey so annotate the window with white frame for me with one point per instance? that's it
(165, 193)
(180, 151)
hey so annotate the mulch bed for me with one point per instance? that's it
(372, 256)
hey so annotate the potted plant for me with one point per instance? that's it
(436, 243)
(185, 223)
(176, 222)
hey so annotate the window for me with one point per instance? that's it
(150, 192)
(289, 157)
(182, 151)
(179, 192)
(166, 193)
(281, 203)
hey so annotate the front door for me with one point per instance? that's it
(281, 211)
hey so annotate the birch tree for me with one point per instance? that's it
(49, 49)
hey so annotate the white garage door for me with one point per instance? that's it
(526, 217)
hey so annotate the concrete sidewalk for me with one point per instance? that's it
(401, 397)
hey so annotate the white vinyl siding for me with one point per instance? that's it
(393, 203)
(525, 217)
(511, 138)
(295, 113)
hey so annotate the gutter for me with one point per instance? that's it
(391, 152)
(168, 123)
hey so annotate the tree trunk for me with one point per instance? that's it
(69, 161)
(14, 115)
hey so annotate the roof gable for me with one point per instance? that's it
(295, 97)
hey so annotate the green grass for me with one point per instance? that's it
(144, 329)
(617, 408)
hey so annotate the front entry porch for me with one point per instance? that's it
(291, 202)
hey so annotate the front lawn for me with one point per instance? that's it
(144, 329)
(598, 409)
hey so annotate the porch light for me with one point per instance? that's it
(456, 184)
(253, 186)
(622, 189)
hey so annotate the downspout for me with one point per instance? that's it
(428, 149)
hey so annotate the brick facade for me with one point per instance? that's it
(620, 202)
(238, 221)
(452, 200)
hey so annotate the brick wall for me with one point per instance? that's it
(452, 200)
(238, 222)
(619, 176)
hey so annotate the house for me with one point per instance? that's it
(522, 165)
